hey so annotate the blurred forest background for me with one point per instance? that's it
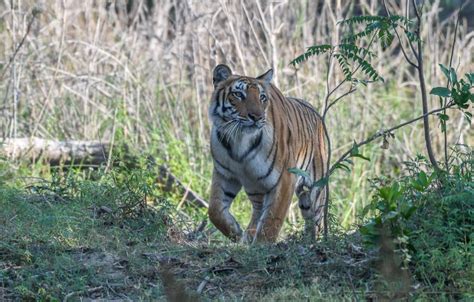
(136, 74)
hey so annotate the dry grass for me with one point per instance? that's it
(87, 70)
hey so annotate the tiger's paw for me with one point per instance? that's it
(247, 238)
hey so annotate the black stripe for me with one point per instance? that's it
(229, 194)
(214, 112)
(274, 133)
(254, 145)
(270, 169)
(310, 160)
(273, 187)
(222, 104)
(219, 163)
(218, 99)
(306, 129)
(254, 194)
(304, 158)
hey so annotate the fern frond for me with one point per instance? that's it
(370, 28)
(346, 70)
(386, 39)
(360, 20)
(351, 48)
(397, 20)
(365, 66)
(385, 25)
(311, 51)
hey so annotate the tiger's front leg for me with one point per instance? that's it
(257, 209)
(223, 192)
(275, 208)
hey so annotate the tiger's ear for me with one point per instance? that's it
(266, 77)
(221, 73)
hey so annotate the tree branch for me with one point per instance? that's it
(381, 133)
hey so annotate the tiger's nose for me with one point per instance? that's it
(255, 117)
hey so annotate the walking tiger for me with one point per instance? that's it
(257, 135)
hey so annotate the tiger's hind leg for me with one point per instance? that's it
(311, 201)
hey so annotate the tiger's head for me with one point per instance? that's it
(238, 101)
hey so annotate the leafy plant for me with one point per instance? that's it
(429, 218)
(458, 94)
(354, 54)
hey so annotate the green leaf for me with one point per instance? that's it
(452, 76)
(355, 149)
(321, 183)
(342, 60)
(445, 70)
(311, 51)
(441, 91)
(299, 172)
(361, 156)
(342, 167)
(443, 117)
(470, 77)
(468, 116)
(355, 152)
(386, 39)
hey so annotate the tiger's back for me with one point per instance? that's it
(257, 135)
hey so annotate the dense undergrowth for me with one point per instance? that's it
(84, 233)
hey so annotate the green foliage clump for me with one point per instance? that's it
(351, 54)
(429, 216)
(457, 94)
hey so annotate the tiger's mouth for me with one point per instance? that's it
(253, 124)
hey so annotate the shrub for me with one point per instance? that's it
(428, 215)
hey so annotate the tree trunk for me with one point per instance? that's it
(80, 153)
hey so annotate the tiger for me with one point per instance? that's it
(257, 134)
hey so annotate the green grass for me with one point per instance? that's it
(93, 243)
(51, 248)
(90, 234)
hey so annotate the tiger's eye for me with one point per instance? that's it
(263, 98)
(238, 94)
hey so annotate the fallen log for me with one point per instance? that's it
(55, 152)
(81, 153)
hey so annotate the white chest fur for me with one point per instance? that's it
(248, 157)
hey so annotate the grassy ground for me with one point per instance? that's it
(87, 234)
(96, 244)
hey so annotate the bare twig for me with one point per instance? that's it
(17, 49)
(399, 39)
(424, 96)
(351, 90)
